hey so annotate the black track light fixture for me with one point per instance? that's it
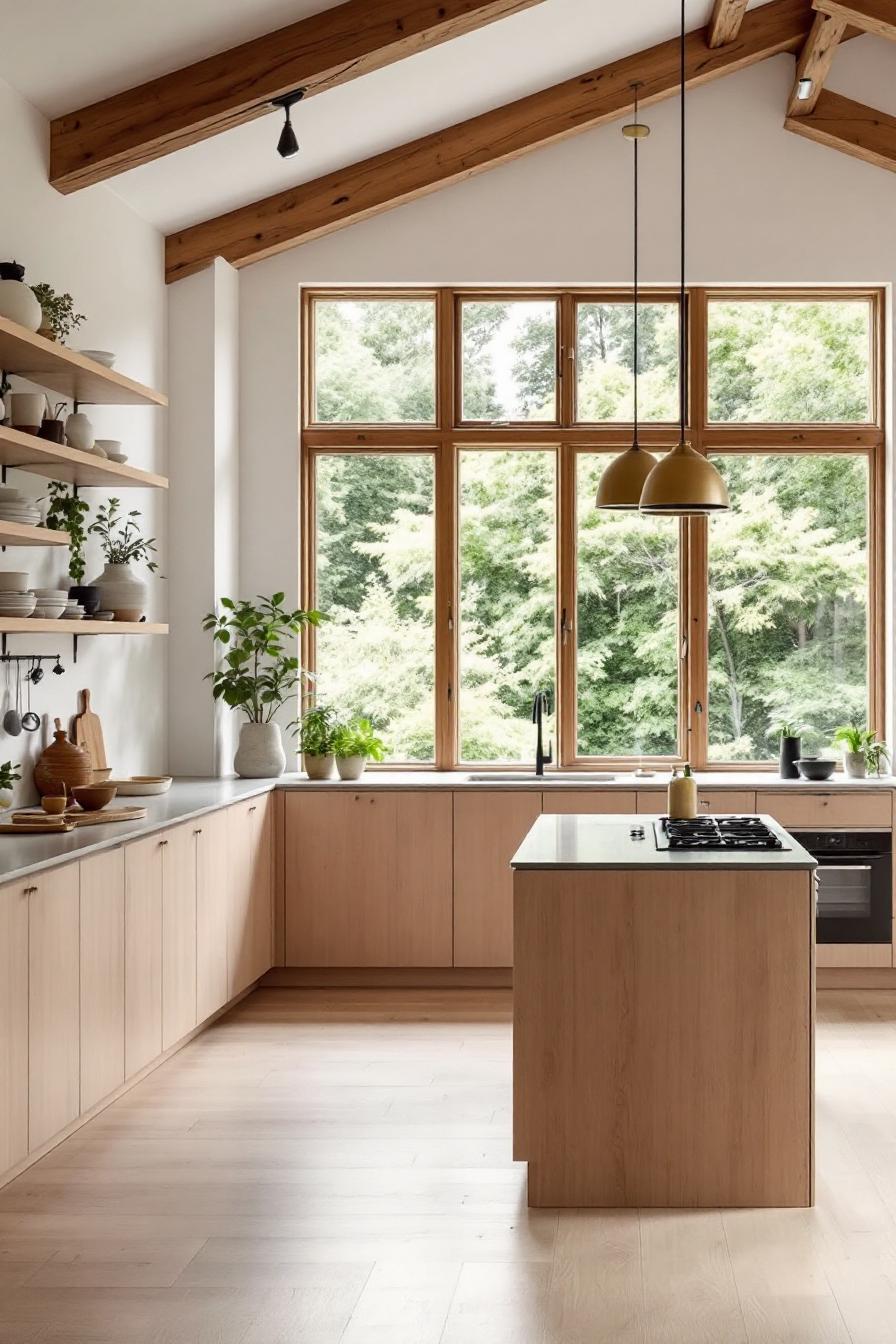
(288, 145)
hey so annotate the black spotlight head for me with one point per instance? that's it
(288, 145)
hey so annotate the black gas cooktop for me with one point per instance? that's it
(716, 833)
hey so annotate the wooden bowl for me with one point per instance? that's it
(93, 797)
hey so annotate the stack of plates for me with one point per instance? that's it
(16, 604)
(73, 611)
(15, 508)
(50, 603)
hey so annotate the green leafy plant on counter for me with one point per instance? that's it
(318, 730)
(261, 669)
(120, 538)
(357, 738)
(877, 754)
(58, 310)
(68, 513)
(855, 739)
(10, 774)
(786, 729)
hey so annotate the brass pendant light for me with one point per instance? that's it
(684, 482)
(623, 481)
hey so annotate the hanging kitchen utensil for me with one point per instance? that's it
(89, 734)
(58, 669)
(37, 672)
(9, 716)
(12, 719)
(30, 721)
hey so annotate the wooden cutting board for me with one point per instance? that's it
(56, 826)
(89, 734)
(77, 817)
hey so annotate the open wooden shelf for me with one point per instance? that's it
(30, 625)
(73, 376)
(22, 534)
(26, 452)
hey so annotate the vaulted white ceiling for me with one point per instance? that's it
(99, 47)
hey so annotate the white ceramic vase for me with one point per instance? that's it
(79, 432)
(122, 592)
(854, 764)
(260, 754)
(350, 767)
(27, 410)
(17, 302)
(318, 767)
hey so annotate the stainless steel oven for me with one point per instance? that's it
(854, 884)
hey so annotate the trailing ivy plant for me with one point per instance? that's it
(68, 513)
(58, 310)
(260, 668)
(120, 538)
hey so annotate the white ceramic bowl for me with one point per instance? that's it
(106, 357)
(13, 581)
(49, 611)
(109, 446)
(142, 786)
(8, 608)
(121, 458)
(53, 593)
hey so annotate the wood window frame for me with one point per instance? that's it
(568, 437)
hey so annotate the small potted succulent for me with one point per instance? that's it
(9, 775)
(856, 742)
(122, 544)
(68, 513)
(354, 744)
(59, 318)
(790, 749)
(318, 728)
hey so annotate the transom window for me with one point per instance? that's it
(452, 446)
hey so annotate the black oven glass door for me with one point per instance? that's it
(854, 886)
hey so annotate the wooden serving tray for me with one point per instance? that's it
(53, 826)
(78, 817)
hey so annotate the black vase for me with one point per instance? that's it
(89, 597)
(791, 750)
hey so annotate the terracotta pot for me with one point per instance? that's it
(62, 764)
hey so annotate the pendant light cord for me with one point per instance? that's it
(635, 269)
(682, 311)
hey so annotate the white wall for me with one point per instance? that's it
(765, 206)
(93, 246)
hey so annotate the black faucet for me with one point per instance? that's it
(540, 707)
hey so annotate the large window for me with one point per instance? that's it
(453, 442)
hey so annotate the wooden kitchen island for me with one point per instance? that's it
(663, 1020)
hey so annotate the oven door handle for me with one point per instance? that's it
(845, 867)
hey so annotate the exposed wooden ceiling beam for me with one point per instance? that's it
(851, 127)
(413, 170)
(872, 16)
(724, 24)
(815, 62)
(235, 86)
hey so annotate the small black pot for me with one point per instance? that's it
(53, 430)
(791, 750)
(89, 596)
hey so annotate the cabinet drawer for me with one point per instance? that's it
(857, 809)
(854, 955)
(588, 800)
(712, 802)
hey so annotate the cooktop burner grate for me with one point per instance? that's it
(715, 833)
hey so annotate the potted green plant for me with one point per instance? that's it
(260, 672)
(317, 730)
(68, 513)
(122, 545)
(52, 426)
(59, 318)
(790, 749)
(877, 754)
(855, 742)
(354, 744)
(9, 774)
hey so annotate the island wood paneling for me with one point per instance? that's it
(102, 976)
(488, 830)
(663, 1038)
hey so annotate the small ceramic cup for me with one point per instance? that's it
(54, 807)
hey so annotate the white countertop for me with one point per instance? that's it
(569, 841)
(460, 779)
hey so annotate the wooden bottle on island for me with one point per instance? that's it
(682, 802)
(62, 763)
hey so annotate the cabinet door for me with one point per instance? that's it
(260, 816)
(622, 802)
(54, 1069)
(178, 933)
(212, 901)
(102, 976)
(368, 879)
(488, 830)
(13, 1024)
(143, 952)
(240, 932)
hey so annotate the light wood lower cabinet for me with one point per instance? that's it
(13, 1023)
(250, 892)
(585, 801)
(54, 1069)
(102, 976)
(178, 933)
(368, 878)
(212, 911)
(860, 809)
(714, 802)
(488, 830)
(143, 952)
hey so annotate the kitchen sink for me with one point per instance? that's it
(554, 777)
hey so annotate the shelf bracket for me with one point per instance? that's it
(74, 648)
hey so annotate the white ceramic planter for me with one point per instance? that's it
(854, 764)
(350, 767)
(122, 592)
(17, 302)
(260, 754)
(318, 767)
(27, 410)
(79, 432)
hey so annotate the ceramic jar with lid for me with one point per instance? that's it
(63, 763)
(17, 301)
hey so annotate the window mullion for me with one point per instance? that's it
(447, 607)
(567, 708)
